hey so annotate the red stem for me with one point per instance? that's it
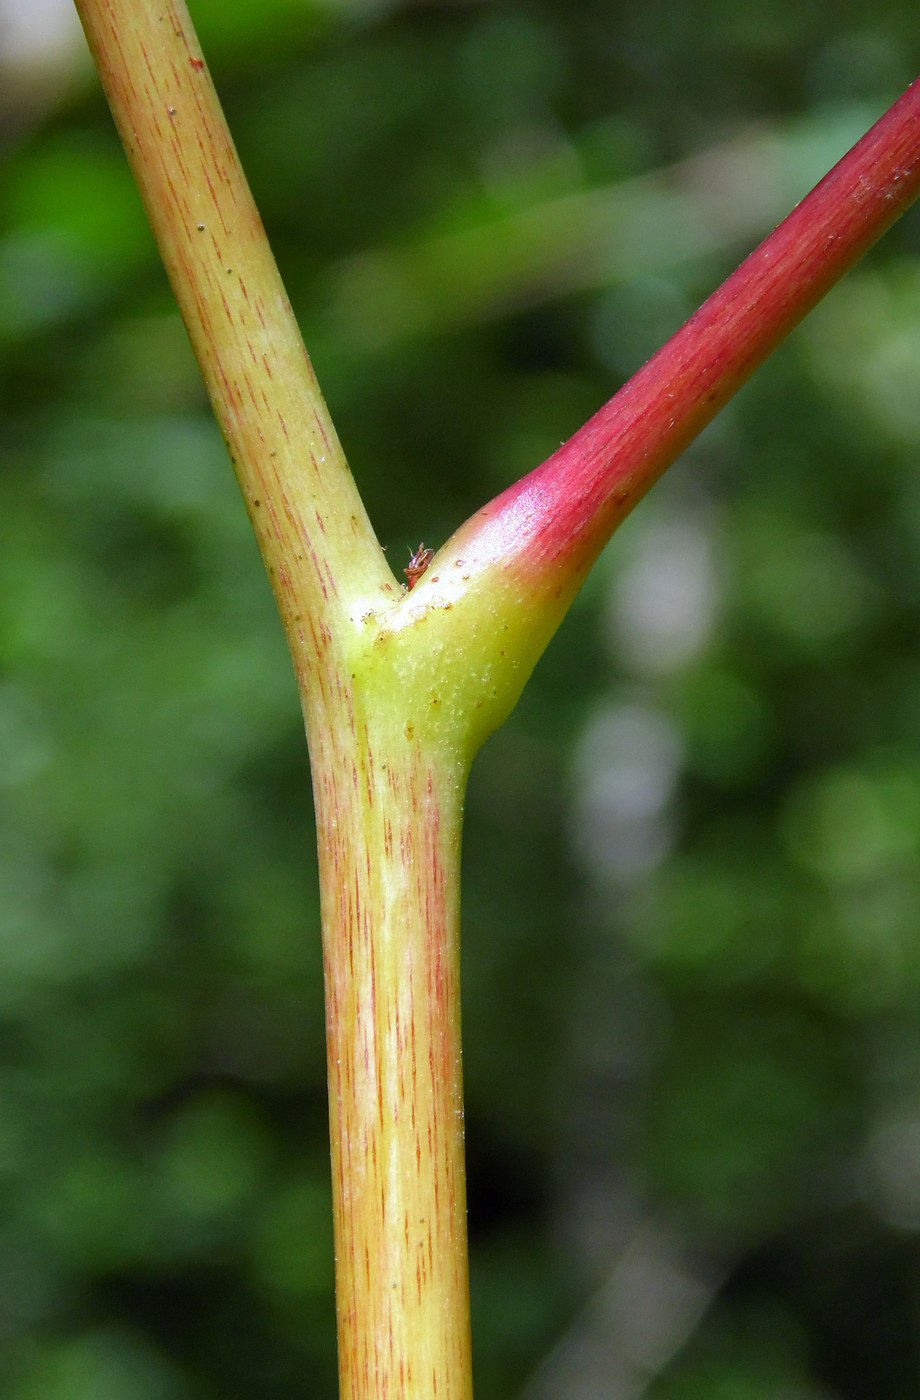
(567, 508)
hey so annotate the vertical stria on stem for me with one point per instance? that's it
(389, 855)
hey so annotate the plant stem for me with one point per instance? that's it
(549, 527)
(399, 689)
(309, 519)
(388, 789)
(390, 881)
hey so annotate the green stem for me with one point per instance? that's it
(391, 818)
(317, 542)
(388, 765)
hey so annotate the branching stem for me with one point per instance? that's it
(399, 689)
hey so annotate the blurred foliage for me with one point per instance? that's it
(692, 884)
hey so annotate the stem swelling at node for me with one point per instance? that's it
(401, 684)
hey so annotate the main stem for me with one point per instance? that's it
(388, 788)
(389, 818)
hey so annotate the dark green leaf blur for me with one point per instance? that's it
(692, 868)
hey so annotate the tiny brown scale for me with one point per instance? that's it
(417, 565)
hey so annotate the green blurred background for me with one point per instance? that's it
(692, 879)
